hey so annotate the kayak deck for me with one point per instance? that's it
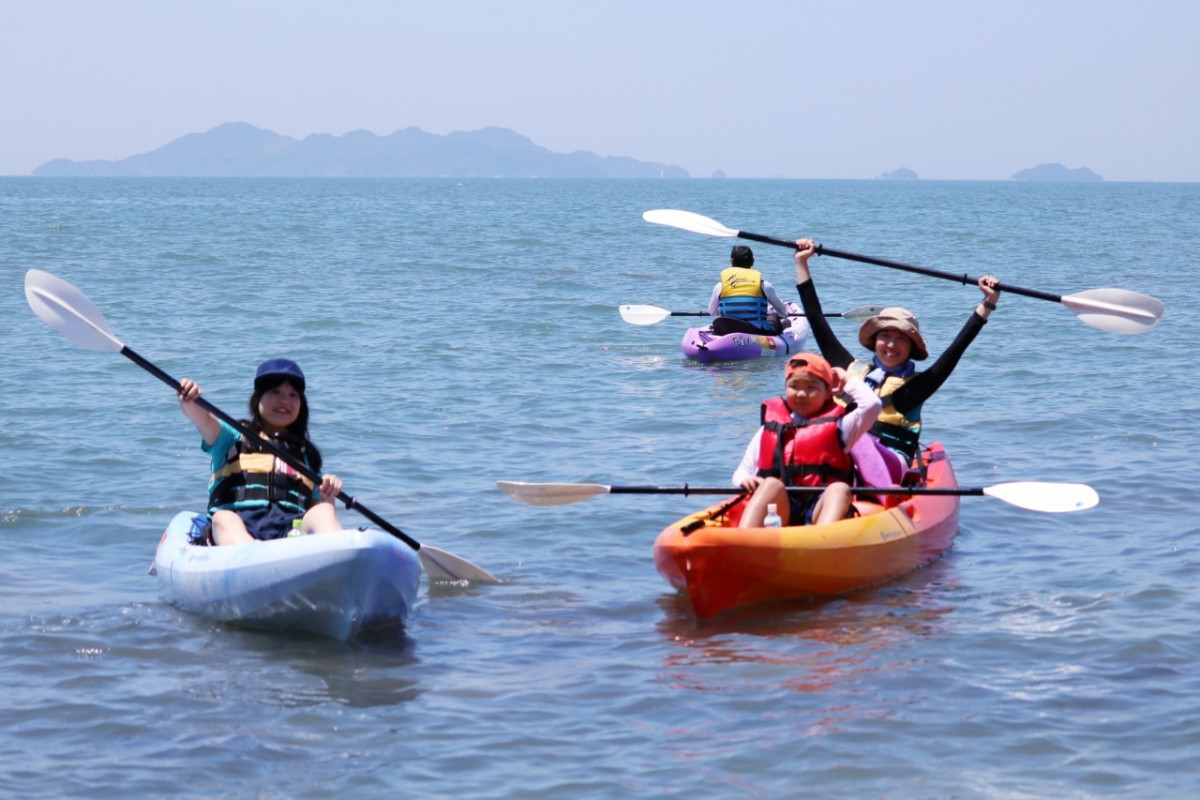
(336, 584)
(720, 566)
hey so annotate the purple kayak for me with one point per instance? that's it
(706, 346)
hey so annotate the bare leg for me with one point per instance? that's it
(833, 504)
(771, 490)
(321, 518)
(228, 529)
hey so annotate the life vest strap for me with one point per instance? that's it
(231, 494)
(796, 471)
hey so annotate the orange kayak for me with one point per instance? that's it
(721, 566)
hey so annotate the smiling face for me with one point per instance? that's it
(279, 407)
(806, 394)
(892, 347)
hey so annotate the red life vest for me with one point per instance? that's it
(807, 453)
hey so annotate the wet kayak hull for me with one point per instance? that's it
(336, 584)
(720, 566)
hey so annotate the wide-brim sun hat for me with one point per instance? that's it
(279, 367)
(896, 319)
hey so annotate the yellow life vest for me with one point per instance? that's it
(251, 478)
(899, 432)
(742, 296)
(741, 282)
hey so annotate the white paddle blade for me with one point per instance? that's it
(1053, 498)
(643, 315)
(688, 221)
(68, 310)
(551, 494)
(862, 313)
(442, 566)
(1115, 310)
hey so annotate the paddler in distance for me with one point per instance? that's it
(743, 294)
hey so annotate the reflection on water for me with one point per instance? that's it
(825, 640)
(826, 663)
(374, 677)
(735, 374)
(370, 672)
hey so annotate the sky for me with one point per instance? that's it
(756, 88)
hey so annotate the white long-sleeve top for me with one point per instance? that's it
(851, 426)
(768, 292)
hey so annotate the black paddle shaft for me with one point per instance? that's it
(706, 314)
(267, 444)
(822, 250)
(686, 490)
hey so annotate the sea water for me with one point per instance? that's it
(456, 333)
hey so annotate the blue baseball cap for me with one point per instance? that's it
(279, 367)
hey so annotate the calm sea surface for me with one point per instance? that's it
(457, 333)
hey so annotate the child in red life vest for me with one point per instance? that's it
(805, 440)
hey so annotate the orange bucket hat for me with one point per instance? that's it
(896, 319)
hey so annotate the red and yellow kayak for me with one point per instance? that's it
(720, 566)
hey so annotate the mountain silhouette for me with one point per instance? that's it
(1057, 173)
(238, 149)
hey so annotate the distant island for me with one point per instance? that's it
(238, 149)
(1057, 172)
(902, 174)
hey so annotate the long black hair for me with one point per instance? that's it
(296, 435)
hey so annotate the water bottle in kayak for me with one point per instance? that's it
(772, 519)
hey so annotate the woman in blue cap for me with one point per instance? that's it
(254, 495)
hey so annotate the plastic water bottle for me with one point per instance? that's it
(772, 519)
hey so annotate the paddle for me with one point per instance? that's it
(1030, 495)
(1113, 310)
(66, 309)
(650, 315)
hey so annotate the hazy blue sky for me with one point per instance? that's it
(758, 88)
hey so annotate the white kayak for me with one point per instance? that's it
(338, 584)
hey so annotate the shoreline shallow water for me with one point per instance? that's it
(459, 333)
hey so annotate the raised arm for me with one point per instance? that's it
(864, 411)
(833, 350)
(206, 423)
(922, 385)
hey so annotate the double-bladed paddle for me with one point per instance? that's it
(1030, 495)
(1113, 310)
(650, 315)
(69, 311)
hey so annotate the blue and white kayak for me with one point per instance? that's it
(337, 584)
